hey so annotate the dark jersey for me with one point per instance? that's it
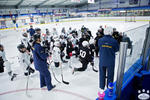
(85, 55)
(92, 49)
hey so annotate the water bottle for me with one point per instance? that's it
(110, 89)
(101, 95)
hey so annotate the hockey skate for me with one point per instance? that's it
(74, 70)
(64, 61)
(13, 76)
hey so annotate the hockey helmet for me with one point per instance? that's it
(1, 46)
(20, 47)
(85, 43)
(37, 29)
(57, 43)
(36, 36)
(25, 34)
(91, 41)
(108, 30)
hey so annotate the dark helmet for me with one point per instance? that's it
(25, 34)
(37, 29)
(21, 46)
(1, 46)
(36, 36)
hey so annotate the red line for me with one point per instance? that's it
(56, 90)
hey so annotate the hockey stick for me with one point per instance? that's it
(55, 76)
(53, 72)
(27, 85)
(67, 83)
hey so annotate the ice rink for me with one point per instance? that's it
(83, 85)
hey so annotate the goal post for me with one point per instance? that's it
(130, 19)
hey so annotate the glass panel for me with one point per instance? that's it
(137, 36)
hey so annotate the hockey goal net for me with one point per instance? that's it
(130, 19)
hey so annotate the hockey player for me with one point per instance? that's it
(83, 38)
(69, 48)
(75, 43)
(69, 31)
(56, 54)
(25, 41)
(92, 50)
(62, 47)
(99, 35)
(85, 57)
(108, 46)
(5, 63)
(25, 60)
(40, 63)
(54, 32)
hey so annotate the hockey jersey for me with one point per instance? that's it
(85, 55)
(56, 54)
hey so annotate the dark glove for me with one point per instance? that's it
(92, 63)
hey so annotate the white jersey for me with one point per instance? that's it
(69, 31)
(74, 42)
(25, 41)
(54, 33)
(63, 41)
(56, 54)
(6, 62)
(24, 60)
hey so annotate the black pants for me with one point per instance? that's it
(83, 68)
(96, 51)
(56, 64)
(1, 65)
(1, 69)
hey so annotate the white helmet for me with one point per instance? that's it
(91, 41)
(85, 43)
(108, 30)
(57, 43)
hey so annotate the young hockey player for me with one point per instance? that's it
(85, 57)
(62, 47)
(75, 43)
(69, 48)
(25, 60)
(56, 54)
(5, 63)
(99, 35)
(92, 50)
(25, 41)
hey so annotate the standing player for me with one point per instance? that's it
(56, 54)
(5, 63)
(25, 60)
(108, 46)
(99, 35)
(25, 41)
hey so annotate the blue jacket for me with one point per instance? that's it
(39, 57)
(32, 31)
(107, 48)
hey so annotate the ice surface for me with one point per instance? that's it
(83, 85)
